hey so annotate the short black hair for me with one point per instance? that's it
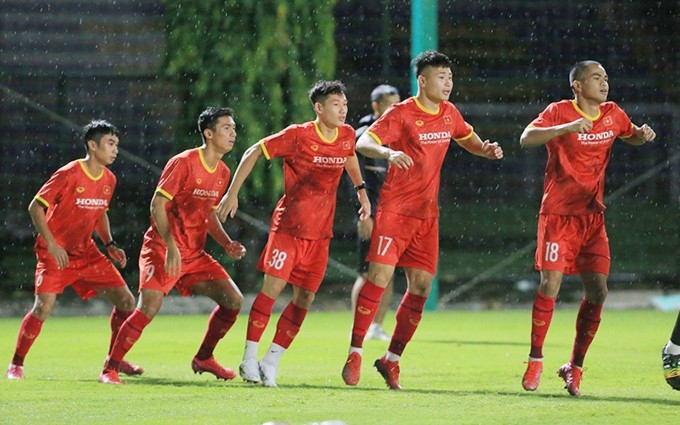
(322, 89)
(209, 117)
(579, 68)
(430, 58)
(95, 129)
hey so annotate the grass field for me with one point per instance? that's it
(461, 368)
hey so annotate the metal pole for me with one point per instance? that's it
(424, 37)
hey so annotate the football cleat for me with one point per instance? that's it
(268, 374)
(250, 371)
(210, 365)
(352, 370)
(572, 378)
(15, 372)
(130, 369)
(389, 371)
(532, 376)
(376, 331)
(110, 376)
(671, 368)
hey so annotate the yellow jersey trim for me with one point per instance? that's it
(264, 150)
(375, 137)
(323, 138)
(462, 139)
(205, 164)
(87, 173)
(424, 109)
(632, 132)
(42, 201)
(164, 193)
(590, 117)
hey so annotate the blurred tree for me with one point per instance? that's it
(257, 56)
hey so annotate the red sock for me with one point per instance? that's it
(259, 317)
(409, 313)
(289, 324)
(541, 315)
(28, 332)
(587, 322)
(116, 321)
(128, 334)
(367, 305)
(221, 320)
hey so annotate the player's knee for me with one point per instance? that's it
(126, 303)
(597, 295)
(42, 309)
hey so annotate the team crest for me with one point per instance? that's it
(220, 182)
(420, 123)
(107, 190)
(315, 147)
(608, 121)
(447, 119)
(199, 181)
(80, 189)
(345, 145)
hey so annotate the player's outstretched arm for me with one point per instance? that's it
(229, 203)
(368, 146)
(539, 136)
(37, 212)
(233, 248)
(103, 229)
(641, 135)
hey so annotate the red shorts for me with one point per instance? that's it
(403, 241)
(202, 268)
(300, 262)
(572, 244)
(86, 274)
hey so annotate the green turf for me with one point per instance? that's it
(461, 368)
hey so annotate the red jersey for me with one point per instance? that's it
(312, 167)
(194, 190)
(574, 173)
(75, 201)
(425, 136)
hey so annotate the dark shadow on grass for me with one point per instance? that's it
(459, 342)
(514, 394)
(237, 384)
(167, 382)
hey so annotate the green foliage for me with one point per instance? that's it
(257, 56)
(461, 367)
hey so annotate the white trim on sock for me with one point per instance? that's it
(391, 357)
(672, 348)
(273, 356)
(250, 352)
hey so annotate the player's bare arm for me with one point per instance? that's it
(37, 212)
(173, 259)
(103, 229)
(485, 149)
(367, 146)
(229, 203)
(233, 248)
(641, 135)
(539, 136)
(354, 172)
